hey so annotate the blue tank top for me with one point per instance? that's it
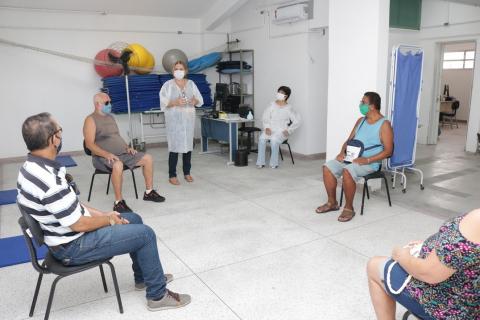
(369, 134)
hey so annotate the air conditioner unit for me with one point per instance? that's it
(291, 13)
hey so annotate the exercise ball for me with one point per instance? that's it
(105, 71)
(140, 58)
(172, 56)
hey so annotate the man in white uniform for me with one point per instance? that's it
(279, 122)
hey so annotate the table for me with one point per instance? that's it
(222, 130)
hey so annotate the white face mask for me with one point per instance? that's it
(280, 96)
(179, 74)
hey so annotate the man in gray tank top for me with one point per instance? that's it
(111, 153)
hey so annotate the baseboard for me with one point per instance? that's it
(301, 156)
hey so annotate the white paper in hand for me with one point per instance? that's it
(352, 153)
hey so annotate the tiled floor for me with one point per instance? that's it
(246, 243)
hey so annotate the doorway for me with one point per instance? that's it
(455, 83)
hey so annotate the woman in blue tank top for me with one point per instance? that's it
(370, 142)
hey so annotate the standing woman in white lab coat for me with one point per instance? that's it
(178, 99)
(279, 122)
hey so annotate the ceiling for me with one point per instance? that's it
(160, 8)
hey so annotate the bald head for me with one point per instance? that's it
(100, 99)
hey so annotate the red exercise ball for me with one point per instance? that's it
(107, 71)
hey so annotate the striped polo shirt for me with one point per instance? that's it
(43, 193)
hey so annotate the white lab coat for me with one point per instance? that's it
(180, 121)
(277, 119)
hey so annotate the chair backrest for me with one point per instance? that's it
(88, 152)
(455, 106)
(31, 229)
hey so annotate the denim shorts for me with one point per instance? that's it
(356, 171)
(398, 276)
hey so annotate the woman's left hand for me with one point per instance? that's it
(361, 161)
(399, 253)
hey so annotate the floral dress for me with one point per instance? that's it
(458, 297)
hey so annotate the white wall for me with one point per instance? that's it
(33, 82)
(358, 54)
(287, 55)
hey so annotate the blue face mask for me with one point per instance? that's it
(107, 108)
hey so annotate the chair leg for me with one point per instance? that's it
(35, 295)
(368, 192)
(91, 186)
(341, 196)
(281, 154)
(365, 186)
(388, 191)
(134, 184)
(102, 274)
(290, 150)
(108, 183)
(115, 284)
(50, 297)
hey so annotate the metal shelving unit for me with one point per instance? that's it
(241, 55)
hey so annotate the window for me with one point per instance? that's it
(458, 60)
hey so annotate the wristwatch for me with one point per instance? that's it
(111, 220)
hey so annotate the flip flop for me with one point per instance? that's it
(327, 207)
(174, 181)
(345, 216)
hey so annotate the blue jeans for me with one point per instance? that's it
(262, 146)
(137, 239)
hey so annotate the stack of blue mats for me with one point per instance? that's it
(144, 91)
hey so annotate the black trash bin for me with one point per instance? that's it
(241, 158)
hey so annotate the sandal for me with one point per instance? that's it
(327, 207)
(346, 215)
(174, 181)
(189, 178)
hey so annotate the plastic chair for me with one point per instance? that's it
(374, 175)
(451, 115)
(88, 152)
(31, 229)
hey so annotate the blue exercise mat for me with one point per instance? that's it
(66, 161)
(13, 250)
(8, 196)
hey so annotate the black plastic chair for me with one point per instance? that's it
(374, 175)
(88, 152)
(451, 115)
(31, 229)
(289, 150)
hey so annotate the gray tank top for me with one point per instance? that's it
(107, 135)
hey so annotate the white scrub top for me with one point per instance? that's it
(179, 120)
(278, 118)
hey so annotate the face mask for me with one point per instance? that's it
(364, 108)
(179, 74)
(280, 96)
(59, 147)
(107, 108)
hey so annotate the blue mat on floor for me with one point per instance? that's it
(8, 196)
(13, 250)
(66, 161)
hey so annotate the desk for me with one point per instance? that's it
(446, 106)
(222, 130)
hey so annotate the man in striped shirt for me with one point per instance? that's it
(77, 234)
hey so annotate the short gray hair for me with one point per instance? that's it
(37, 129)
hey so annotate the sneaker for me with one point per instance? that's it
(141, 286)
(153, 196)
(121, 207)
(260, 166)
(170, 300)
(274, 167)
